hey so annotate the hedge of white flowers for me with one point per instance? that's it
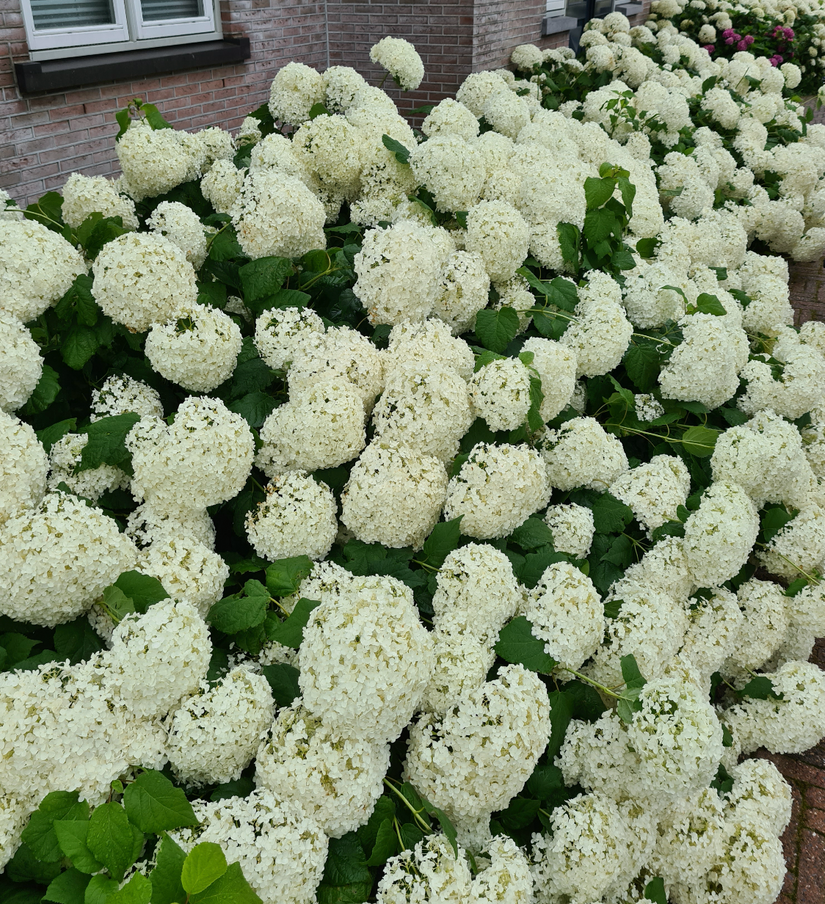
(404, 515)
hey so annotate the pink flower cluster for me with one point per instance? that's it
(729, 36)
(782, 31)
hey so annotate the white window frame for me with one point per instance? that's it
(128, 32)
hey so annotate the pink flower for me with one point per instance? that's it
(709, 47)
(741, 45)
(749, 39)
(727, 33)
(789, 33)
(730, 40)
(776, 59)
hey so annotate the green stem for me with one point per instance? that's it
(425, 825)
(591, 682)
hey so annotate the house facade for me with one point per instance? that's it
(68, 65)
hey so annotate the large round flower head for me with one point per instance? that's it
(599, 335)
(567, 613)
(394, 495)
(23, 468)
(341, 84)
(449, 117)
(555, 365)
(281, 849)
(277, 215)
(428, 342)
(280, 332)
(120, 394)
(582, 454)
(336, 778)
(222, 185)
(720, 534)
(760, 793)
(765, 615)
(463, 290)
(462, 663)
(428, 872)
(798, 391)
(497, 488)
(588, 854)
(64, 458)
(297, 518)
(295, 90)
(504, 874)
(401, 60)
(188, 570)
(21, 363)
(57, 560)
(506, 112)
(500, 393)
(37, 268)
(154, 161)
(714, 625)
(277, 152)
(204, 456)
(322, 428)
(476, 593)
(398, 271)
(654, 490)
(182, 226)
(799, 547)
(501, 235)
(141, 279)
(477, 87)
(148, 521)
(479, 755)
(215, 733)
(85, 195)
(365, 660)
(427, 410)
(449, 168)
(197, 347)
(330, 148)
(573, 528)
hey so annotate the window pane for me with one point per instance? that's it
(157, 10)
(71, 13)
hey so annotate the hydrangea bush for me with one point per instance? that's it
(405, 516)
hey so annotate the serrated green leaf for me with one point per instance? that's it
(48, 386)
(113, 840)
(532, 534)
(550, 325)
(239, 787)
(773, 519)
(600, 225)
(71, 836)
(205, 863)
(290, 633)
(224, 245)
(153, 117)
(231, 888)
(569, 242)
(386, 844)
(443, 539)
(402, 155)
(240, 612)
(700, 441)
(760, 688)
(411, 834)
(655, 891)
(143, 590)
(76, 641)
(25, 867)
(598, 191)
(495, 329)
(646, 248)
(67, 888)
(284, 576)
(529, 572)
(40, 835)
(709, 304)
(255, 407)
(346, 876)
(107, 443)
(116, 603)
(99, 890)
(138, 890)
(628, 192)
(517, 644)
(155, 805)
(79, 346)
(283, 681)
(263, 277)
(48, 436)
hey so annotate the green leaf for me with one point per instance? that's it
(25, 867)
(224, 245)
(255, 407)
(138, 890)
(96, 231)
(700, 441)
(629, 702)
(402, 155)
(17, 647)
(123, 120)
(283, 681)
(647, 247)
(290, 633)
(48, 436)
(107, 443)
(774, 518)
(284, 576)
(550, 325)
(495, 329)
(386, 844)
(410, 835)
(204, 864)
(40, 835)
(706, 304)
(239, 787)
(113, 839)
(230, 888)
(532, 534)
(155, 805)
(655, 891)
(517, 643)
(76, 641)
(631, 675)
(100, 889)
(67, 888)
(240, 612)
(610, 515)
(536, 563)
(79, 346)
(444, 821)
(569, 241)
(263, 277)
(760, 688)
(71, 836)
(628, 193)
(642, 363)
(598, 191)
(48, 386)
(48, 207)
(443, 539)
(153, 117)
(623, 259)
(346, 877)
(142, 589)
(117, 604)
(79, 301)
(519, 813)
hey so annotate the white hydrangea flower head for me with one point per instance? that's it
(336, 778)
(277, 215)
(141, 279)
(504, 874)
(14, 816)
(323, 428)
(57, 559)
(462, 291)
(429, 872)
(398, 271)
(182, 226)
(365, 660)
(281, 849)
(556, 367)
(506, 112)
(462, 663)
(341, 84)
(216, 732)
(401, 60)
(121, 393)
(65, 456)
(573, 528)
(158, 658)
(501, 235)
(154, 161)
(500, 393)
(148, 522)
(37, 269)
(21, 363)
(425, 342)
(295, 90)
(279, 333)
(526, 56)
(582, 454)
(394, 495)
(516, 294)
(807, 608)
(277, 152)
(799, 547)
(222, 185)
(448, 166)
(23, 468)
(654, 490)
(663, 567)
(204, 456)
(648, 407)
(197, 347)
(765, 612)
(648, 301)
(497, 488)
(209, 145)
(297, 518)
(477, 87)
(449, 117)
(714, 625)
(85, 195)
(330, 148)
(476, 593)
(599, 336)
(760, 793)
(567, 613)
(479, 755)
(427, 410)
(189, 570)
(8, 207)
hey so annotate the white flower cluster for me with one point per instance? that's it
(401, 60)
(84, 195)
(120, 394)
(64, 458)
(582, 454)
(654, 490)
(181, 226)
(573, 528)
(23, 468)
(500, 393)
(280, 332)
(20, 365)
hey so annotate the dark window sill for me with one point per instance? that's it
(57, 75)
(556, 24)
(629, 9)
